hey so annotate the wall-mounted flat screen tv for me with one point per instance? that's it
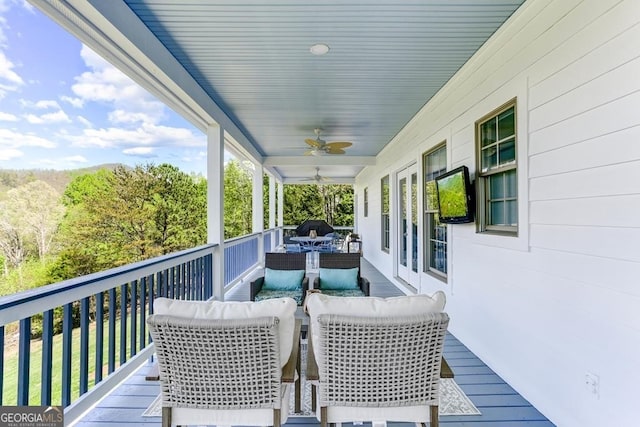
(455, 196)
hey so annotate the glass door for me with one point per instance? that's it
(407, 245)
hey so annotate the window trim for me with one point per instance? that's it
(365, 203)
(482, 181)
(427, 219)
(385, 232)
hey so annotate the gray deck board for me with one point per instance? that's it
(500, 404)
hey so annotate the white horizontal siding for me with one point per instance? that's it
(563, 299)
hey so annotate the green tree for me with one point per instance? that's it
(127, 215)
(238, 209)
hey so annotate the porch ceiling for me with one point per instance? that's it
(252, 59)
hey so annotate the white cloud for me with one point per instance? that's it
(10, 81)
(10, 153)
(146, 152)
(46, 104)
(57, 117)
(84, 121)
(11, 139)
(6, 117)
(146, 135)
(76, 102)
(106, 84)
(76, 159)
(121, 116)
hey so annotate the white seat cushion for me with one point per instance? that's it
(282, 308)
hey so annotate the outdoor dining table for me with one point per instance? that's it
(312, 244)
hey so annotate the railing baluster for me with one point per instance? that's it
(67, 330)
(99, 337)
(1, 364)
(123, 324)
(84, 345)
(47, 358)
(24, 357)
(112, 330)
(143, 313)
(134, 319)
(209, 277)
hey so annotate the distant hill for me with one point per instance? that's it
(58, 179)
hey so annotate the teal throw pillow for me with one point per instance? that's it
(282, 280)
(339, 278)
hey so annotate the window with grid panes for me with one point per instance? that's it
(434, 165)
(385, 220)
(497, 171)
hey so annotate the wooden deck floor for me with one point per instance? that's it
(501, 405)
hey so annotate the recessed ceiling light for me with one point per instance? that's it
(319, 49)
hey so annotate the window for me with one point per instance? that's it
(385, 220)
(366, 202)
(497, 178)
(434, 164)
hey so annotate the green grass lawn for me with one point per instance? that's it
(10, 374)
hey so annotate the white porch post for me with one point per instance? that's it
(272, 212)
(215, 204)
(281, 210)
(258, 207)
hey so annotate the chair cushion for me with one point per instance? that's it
(283, 308)
(344, 292)
(282, 280)
(319, 303)
(265, 294)
(338, 278)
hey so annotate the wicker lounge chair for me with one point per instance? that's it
(281, 261)
(342, 261)
(379, 369)
(222, 372)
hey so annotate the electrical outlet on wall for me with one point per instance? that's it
(592, 382)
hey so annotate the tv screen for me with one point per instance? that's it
(455, 196)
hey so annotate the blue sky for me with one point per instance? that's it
(63, 107)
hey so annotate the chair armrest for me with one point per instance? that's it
(316, 283)
(256, 286)
(312, 366)
(289, 370)
(305, 286)
(364, 285)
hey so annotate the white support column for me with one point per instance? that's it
(281, 209)
(272, 210)
(258, 207)
(272, 202)
(215, 204)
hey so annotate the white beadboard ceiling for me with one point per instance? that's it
(387, 58)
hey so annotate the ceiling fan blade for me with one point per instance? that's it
(314, 143)
(339, 144)
(333, 150)
(310, 153)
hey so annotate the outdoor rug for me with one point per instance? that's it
(453, 401)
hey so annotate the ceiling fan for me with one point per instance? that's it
(320, 146)
(317, 177)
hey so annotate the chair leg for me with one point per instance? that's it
(434, 416)
(323, 416)
(276, 418)
(166, 417)
(298, 384)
